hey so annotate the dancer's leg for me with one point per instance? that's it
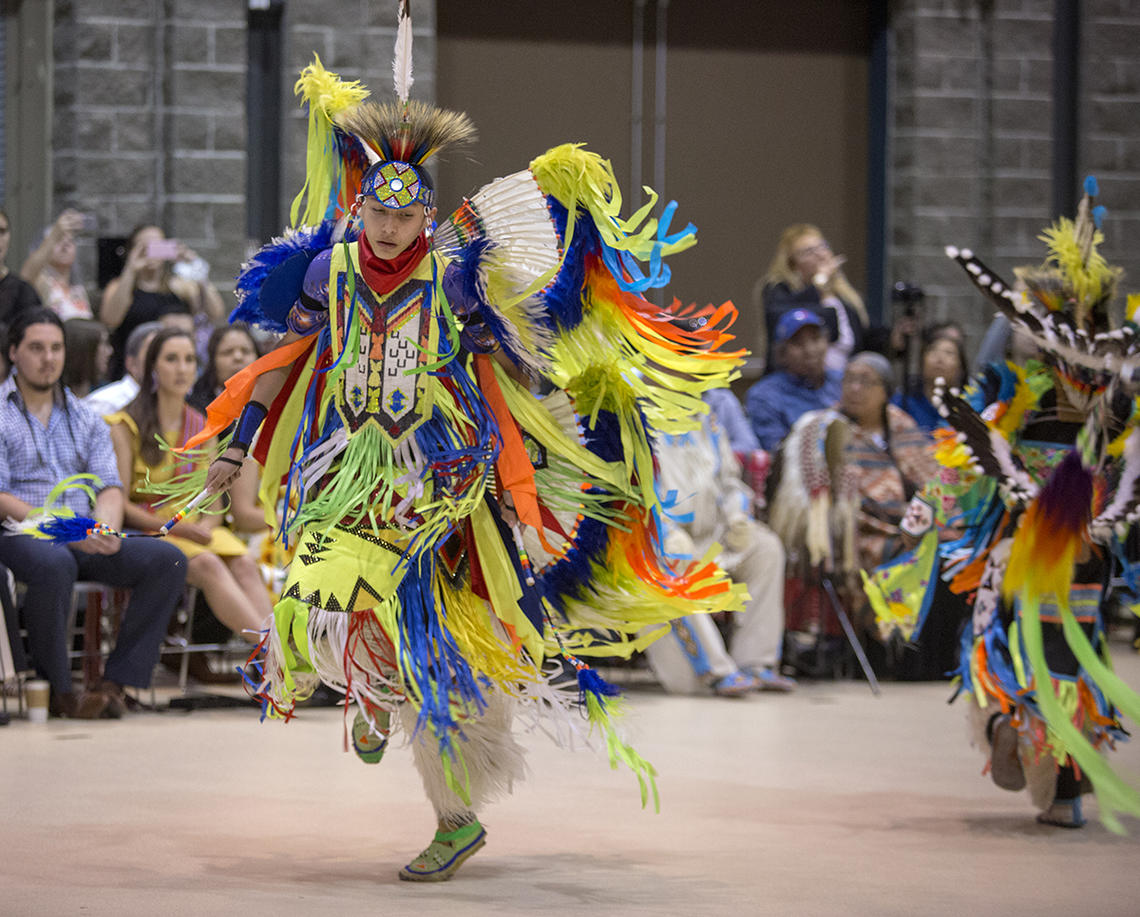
(488, 762)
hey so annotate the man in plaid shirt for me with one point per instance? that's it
(46, 435)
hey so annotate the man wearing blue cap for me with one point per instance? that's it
(802, 384)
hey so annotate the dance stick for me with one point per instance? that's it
(184, 512)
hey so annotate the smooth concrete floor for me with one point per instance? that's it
(829, 801)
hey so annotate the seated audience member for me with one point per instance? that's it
(114, 396)
(713, 505)
(231, 348)
(219, 564)
(943, 356)
(149, 289)
(890, 457)
(806, 274)
(802, 384)
(51, 266)
(890, 460)
(16, 294)
(88, 355)
(48, 435)
(732, 420)
(754, 461)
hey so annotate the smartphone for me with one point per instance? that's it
(162, 249)
(87, 222)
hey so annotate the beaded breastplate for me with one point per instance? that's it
(397, 336)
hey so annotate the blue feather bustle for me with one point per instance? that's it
(563, 298)
(429, 652)
(567, 578)
(467, 297)
(270, 281)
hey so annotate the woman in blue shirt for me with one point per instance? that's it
(943, 357)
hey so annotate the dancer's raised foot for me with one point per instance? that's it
(1005, 762)
(368, 744)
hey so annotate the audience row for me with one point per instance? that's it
(118, 438)
(159, 316)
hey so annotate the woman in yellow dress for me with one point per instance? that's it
(220, 565)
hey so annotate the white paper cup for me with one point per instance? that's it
(36, 694)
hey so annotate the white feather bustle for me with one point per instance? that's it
(812, 510)
(511, 212)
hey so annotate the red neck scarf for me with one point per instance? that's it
(383, 275)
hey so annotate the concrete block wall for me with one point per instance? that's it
(149, 121)
(970, 149)
(1110, 112)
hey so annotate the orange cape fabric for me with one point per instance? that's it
(224, 409)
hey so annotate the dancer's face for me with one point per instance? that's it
(390, 232)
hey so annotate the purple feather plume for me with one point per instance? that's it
(1065, 502)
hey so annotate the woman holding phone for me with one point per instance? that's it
(149, 288)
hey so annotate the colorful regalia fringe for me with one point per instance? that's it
(409, 585)
(1040, 471)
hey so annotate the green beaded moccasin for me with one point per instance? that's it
(445, 854)
(368, 745)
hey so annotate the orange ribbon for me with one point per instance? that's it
(224, 409)
(516, 473)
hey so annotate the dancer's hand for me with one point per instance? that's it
(507, 510)
(225, 470)
(740, 535)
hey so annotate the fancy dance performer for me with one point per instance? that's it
(462, 542)
(1040, 468)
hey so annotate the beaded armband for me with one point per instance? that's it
(247, 424)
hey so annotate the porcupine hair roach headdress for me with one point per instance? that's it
(1065, 304)
(358, 148)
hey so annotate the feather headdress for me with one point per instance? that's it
(1065, 304)
(358, 148)
(410, 132)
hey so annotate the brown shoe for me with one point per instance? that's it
(63, 703)
(116, 701)
(92, 705)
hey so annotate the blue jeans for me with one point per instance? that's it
(154, 571)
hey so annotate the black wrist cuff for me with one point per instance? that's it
(247, 424)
